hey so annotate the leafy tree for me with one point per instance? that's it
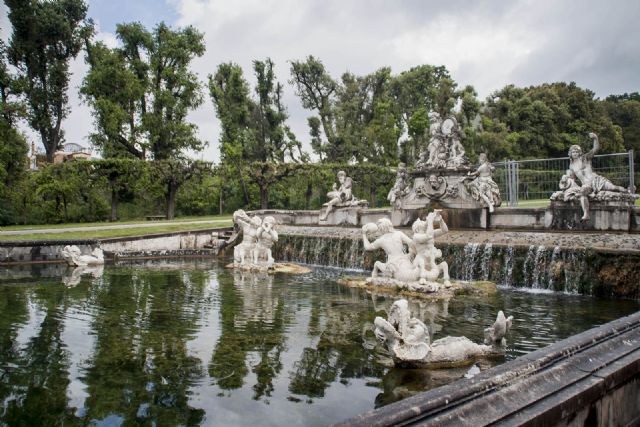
(143, 90)
(174, 173)
(121, 176)
(543, 121)
(46, 36)
(624, 111)
(254, 131)
(13, 146)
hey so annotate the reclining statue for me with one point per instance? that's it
(407, 340)
(73, 256)
(592, 186)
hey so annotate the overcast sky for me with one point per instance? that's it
(487, 44)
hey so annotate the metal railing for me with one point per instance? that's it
(531, 182)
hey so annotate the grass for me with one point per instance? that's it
(123, 232)
(130, 222)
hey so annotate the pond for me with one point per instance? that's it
(187, 342)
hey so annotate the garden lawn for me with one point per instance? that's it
(166, 227)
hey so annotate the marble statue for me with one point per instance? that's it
(243, 252)
(591, 187)
(415, 267)
(400, 187)
(266, 236)
(341, 196)
(73, 256)
(481, 185)
(444, 150)
(407, 340)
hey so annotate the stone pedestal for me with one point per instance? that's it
(612, 216)
(343, 216)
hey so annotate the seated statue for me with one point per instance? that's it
(266, 236)
(341, 196)
(592, 186)
(408, 342)
(400, 187)
(481, 185)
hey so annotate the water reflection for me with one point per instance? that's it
(73, 275)
(190, 343)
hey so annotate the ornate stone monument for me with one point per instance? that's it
(343, 206)
(443, 176)
(580, 184)
(407, 340)
(416, 268)
(73, 256)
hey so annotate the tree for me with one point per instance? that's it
(624, 111)
(254, 131)
(13, 146)
(543, 121)
(315, 87)
(142, 91)
(46, 36)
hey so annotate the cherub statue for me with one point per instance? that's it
(249, 226)
(481, 186)
(266, 237)
(426, 253)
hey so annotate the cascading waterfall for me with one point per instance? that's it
(535, 267)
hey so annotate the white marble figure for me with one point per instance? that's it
(481, 185)
(495, 335)
(73, 256)
(415, 267)
(426, 253)
(341, 196)
(266, 236)
(407, 340)
(400, 187)
(444, 151)
(592, 186)
(243, 252)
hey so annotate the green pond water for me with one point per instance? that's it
(190, 343)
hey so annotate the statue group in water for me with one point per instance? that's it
(258, 237)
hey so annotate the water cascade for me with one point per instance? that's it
(536, 267)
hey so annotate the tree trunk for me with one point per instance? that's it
(373, 197)
(245, 192)
(172, 188)
(114, 205)
(307, 196)
(264, 197)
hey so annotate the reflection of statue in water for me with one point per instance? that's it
(407, 340)
(401, 186)
(481, 186)
(341, 196)
(593, 186)
(73, 279)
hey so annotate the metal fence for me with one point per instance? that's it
(531, 182)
